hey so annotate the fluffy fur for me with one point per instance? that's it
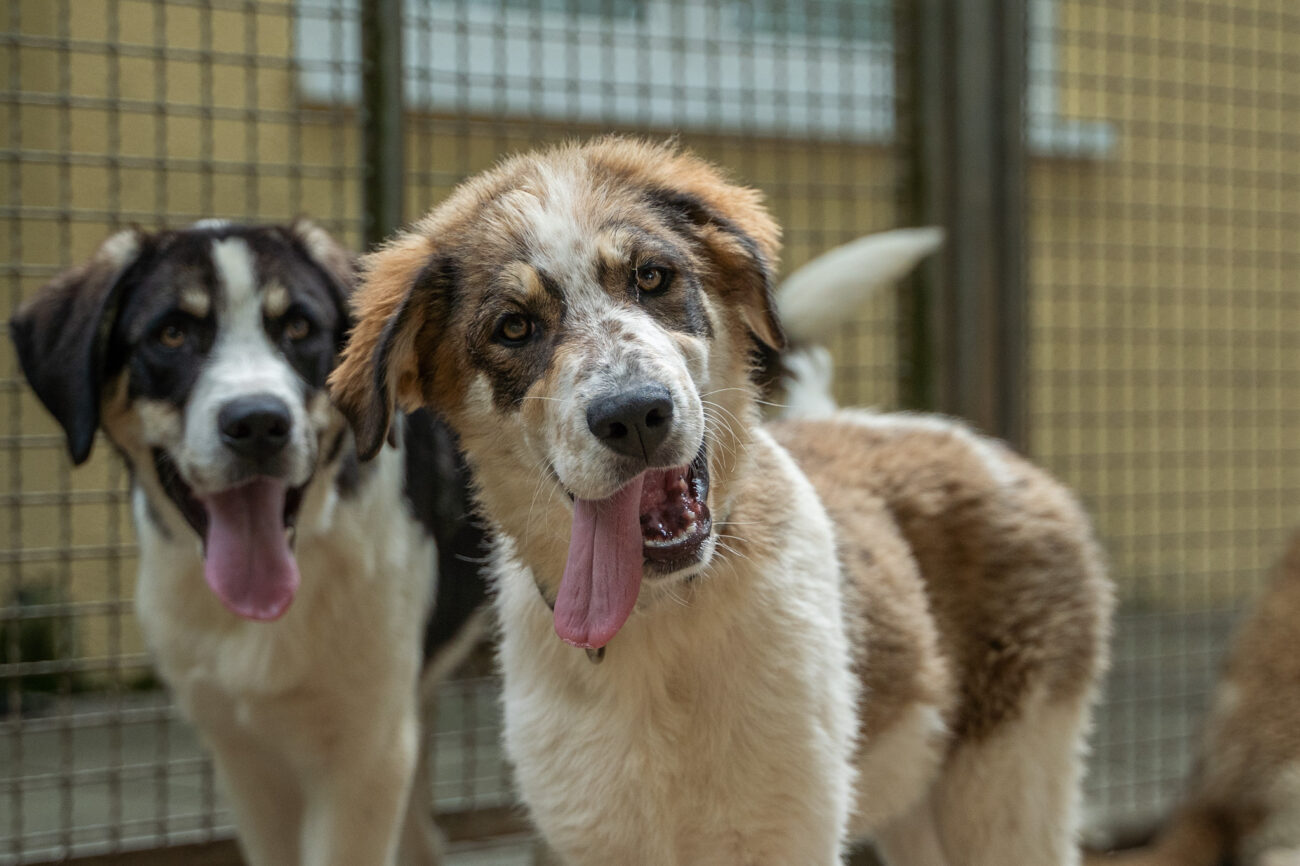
(894, 627)
(1242, 805)
(314, 718)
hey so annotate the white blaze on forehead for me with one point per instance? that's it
(236, 271)
(243, 361)
(560, 233)
(243, 350)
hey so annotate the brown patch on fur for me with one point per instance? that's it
(1003, 581)
(513, 370)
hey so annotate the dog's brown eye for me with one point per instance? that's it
(652, 278)
(514, 328)
(297, 328)
(172, 336)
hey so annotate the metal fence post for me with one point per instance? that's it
(382, 148)
(965, 126)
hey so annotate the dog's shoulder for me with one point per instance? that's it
(1003, 555)
(892, 632)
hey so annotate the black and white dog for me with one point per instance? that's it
(203, 354)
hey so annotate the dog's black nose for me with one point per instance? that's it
(633, 422)
(255, 426)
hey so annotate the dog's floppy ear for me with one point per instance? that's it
(741, 239)
(380, 368)
(62, 337)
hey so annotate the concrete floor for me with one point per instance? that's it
(94, 773)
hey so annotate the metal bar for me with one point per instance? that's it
(381, 118)
(966, 322)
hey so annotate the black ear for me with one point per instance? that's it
(744, 257)
(62, 338)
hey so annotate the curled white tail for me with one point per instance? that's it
(823, 293)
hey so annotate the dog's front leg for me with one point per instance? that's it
(353, 813)
(264, 797)
(422, 842)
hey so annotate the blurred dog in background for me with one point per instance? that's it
(286, 591)
(1242, 804)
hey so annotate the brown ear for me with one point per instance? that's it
(380, 368)
(62, 337)
(742, 242)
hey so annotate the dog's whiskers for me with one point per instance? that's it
(752, 396)
(726, 417)
(542, 477)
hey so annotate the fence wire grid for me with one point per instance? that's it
(1163, 230)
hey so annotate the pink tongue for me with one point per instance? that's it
(603, 574)
(248, 562)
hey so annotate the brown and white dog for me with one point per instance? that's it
(203, 354)
(866, 626)
(1243, 802)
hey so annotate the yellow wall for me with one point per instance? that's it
(1165, 308)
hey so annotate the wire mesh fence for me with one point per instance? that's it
(1164, 365)
(1163, 228)
(117, 113)
(163, 112)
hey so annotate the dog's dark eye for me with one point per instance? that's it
(297, 328)
(514, 329)
(172, 335)
(652, 278)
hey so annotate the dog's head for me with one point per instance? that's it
(203, 353)
(587, 320)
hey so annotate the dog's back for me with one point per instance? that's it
(979, 594)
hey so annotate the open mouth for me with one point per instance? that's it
(658, 521)
(248, 533)
(674, 516)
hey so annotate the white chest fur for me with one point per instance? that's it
(717, 731)
(367, 576)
